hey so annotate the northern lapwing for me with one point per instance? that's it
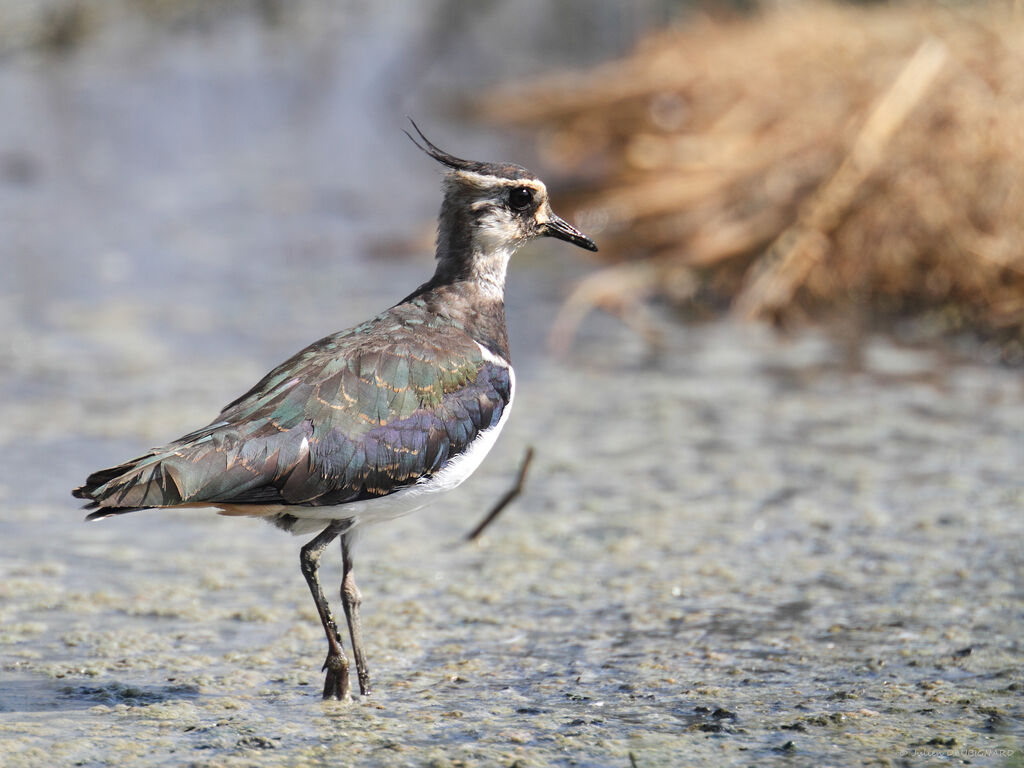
(373, 422)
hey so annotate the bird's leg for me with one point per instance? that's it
(351, 598)
(336, 684)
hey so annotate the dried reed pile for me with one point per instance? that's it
(811, 160)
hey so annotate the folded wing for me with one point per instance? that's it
(354, 416)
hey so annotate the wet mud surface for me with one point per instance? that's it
(739, 554)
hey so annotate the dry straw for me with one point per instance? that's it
(813, 161)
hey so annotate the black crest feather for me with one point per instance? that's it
(455, 163)
(501, 170)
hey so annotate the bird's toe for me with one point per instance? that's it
(337, 685)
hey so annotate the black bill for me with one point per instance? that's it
(563, 230)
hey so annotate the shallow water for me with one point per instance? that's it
(739, 552)
(742, 554)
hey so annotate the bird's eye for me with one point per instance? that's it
(520, 198)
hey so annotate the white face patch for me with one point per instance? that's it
(498, 226)
(496, 231)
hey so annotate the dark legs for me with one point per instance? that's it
(336, 684)
(352, 599)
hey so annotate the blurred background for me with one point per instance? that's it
(777, 500)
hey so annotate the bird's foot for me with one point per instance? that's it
(337, 684)
(364, 683)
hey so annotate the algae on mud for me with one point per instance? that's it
(764, 557)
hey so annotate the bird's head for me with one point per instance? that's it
(494, 207)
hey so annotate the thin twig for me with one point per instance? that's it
(508, 498)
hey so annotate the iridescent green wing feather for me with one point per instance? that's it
(359, 414)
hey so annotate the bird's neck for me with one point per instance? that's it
(470, 254)
(468, 286)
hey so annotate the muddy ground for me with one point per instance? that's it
(739, 554)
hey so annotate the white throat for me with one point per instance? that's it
(490, 264)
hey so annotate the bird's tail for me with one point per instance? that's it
(141, 483)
